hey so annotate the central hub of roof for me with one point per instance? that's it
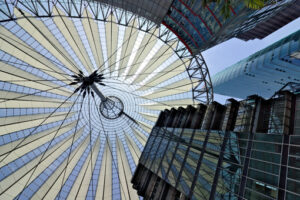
(112, 108)
(86, 82)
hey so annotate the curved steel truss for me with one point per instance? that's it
(101, 12)
(55, 141)
(203, 90)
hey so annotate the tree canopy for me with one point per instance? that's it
(252, 4)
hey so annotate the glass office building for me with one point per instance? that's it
(262, 73)
(226, 151)
(81, 86)
(202, 27)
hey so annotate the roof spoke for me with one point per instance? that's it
(53, 54)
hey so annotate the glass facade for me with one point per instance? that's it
(202, 27)
(245, 154)
(262, 73)
(198, 25)
(213, 161)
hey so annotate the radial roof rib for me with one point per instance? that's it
(127, 192)
(147, 127)
(145, 48)
(157, 106)
(12, 45)
(87, 179)
(5, 121)
(6, 96)
(172, 70)
(81, 186)
(12, 74)
(19, 100)
(149, 116)
(148, 42)
(55, 180)
(28, 103)
(177, 87)
(92, 32)
(67, 169)
(13, 77)
(169, 104)
(130, 37)
(67, 28)
(111, 32)
(160, 57)
(39, 31)
(104, 187)
(133, 148)
(36, 135)
(23, 149)
(35, 121)
(50, 159)
(180, 102)
(15, 182)
(78, 170)
(140, 136)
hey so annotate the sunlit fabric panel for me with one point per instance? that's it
(65, 67)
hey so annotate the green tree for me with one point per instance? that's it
(252, 4)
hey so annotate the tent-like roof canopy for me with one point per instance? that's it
(57, 141)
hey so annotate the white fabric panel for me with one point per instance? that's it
(142, 53)
(39, 31)
(159, 58)
(35, 85)
(34, 136)
(6, 121)
(149, 116)
(84, 177)
(172, 70)
(55, 180)
(74, 158)
(145, 126)
(17, 186)
(11, 45)
(33, 141)
(92, 33)
(125, 173)
(169, 104)
(140, 136)
(104, 189)
(24, 78)
(28, 124)
(111, 32)
(133, 148)
(178, 87)
(18, 100)
(128, 43)
(69, 31)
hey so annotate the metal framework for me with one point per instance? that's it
(59, 62)
(197, 70)
(203, 91)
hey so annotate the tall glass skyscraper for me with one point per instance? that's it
(264, 72)
(240, 150)
(82, 83)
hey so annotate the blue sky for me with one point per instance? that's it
(234, 50)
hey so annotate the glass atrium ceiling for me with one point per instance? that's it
(57, 141)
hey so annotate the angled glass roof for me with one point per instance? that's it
(64, 134)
